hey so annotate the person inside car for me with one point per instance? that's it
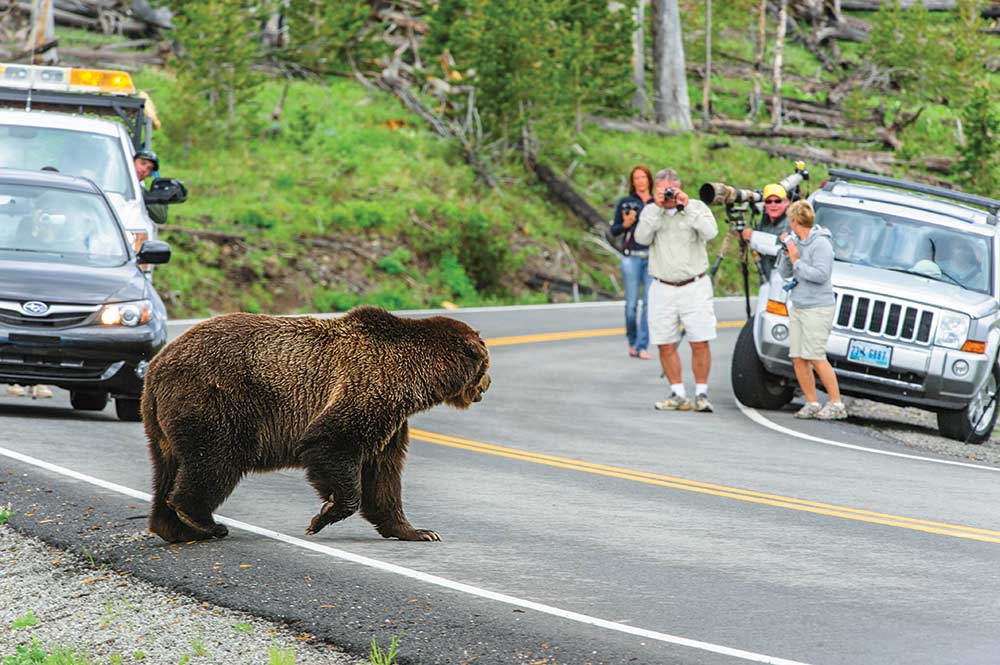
(148, 164)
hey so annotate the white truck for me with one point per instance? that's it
(82, 122)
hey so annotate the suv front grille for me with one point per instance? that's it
(884, 317)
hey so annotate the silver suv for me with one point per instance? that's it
(916, 318)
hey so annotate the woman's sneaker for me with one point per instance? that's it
(810, 410)
(674, 403)
(15, 390)
(832, 411)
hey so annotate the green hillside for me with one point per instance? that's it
(356, 199)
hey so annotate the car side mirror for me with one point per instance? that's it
(165, 191)
(153, 251)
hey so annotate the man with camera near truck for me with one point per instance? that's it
(677, 230)
(773, 223)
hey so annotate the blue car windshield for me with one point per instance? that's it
(897, 243)
(59, 226)
(85, 154)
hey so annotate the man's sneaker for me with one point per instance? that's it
(810, 410)
(702, 404)
(15, 390)
(40, 391)
(674, 403)
(831, 411)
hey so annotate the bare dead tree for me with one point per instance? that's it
(758, 60)
(640, 102)
(779, 48)
(707, 83)
(671, 104)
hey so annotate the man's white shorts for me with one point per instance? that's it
(672, 306)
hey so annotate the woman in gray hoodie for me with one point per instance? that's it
(807, 266)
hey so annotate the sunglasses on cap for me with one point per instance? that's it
(772, 202)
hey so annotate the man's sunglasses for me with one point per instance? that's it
(772, 202)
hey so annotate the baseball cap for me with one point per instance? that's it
(775, 189)
(145, 153)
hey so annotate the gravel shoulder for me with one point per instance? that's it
(108, 616)
(916, 430)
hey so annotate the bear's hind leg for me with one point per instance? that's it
(382, 491)
(196, 496)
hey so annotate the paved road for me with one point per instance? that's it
(579, 525)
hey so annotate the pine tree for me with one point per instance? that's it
(218, 40)
(978, 169)
(327, 36)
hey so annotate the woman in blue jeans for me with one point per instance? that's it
(635, 259)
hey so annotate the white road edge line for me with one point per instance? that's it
(755, 415)
(417, 575)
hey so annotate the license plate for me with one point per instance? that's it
(869, 353)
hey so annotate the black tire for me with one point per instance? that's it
(753, 385)
(128, 410)
(982, 409)
(88, 401)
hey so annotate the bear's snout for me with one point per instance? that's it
(484, 385)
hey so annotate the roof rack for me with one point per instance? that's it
(992, 205)
(131, 110)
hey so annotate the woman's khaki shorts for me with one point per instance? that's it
(808, 332)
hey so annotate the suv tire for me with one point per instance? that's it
(88, 401)
(753, 385)
(961, 424)
(128, 410)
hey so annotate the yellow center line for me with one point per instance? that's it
(790, 503)
(577, 334)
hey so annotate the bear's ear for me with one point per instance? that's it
(475, 347)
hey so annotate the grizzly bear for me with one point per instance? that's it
(244, 393)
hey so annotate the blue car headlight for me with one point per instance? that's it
(129, 314)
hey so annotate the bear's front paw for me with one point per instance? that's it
(328, 514)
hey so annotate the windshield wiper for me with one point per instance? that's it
(923, 274)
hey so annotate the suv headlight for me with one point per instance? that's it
(952, 330)
(129, 314)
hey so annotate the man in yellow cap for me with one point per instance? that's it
(765, 239)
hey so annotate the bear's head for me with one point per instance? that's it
(479, 378)
(471, 359)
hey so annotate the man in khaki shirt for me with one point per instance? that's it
(677, 229)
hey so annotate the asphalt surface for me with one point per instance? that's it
(579, 524)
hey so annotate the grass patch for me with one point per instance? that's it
(388, 657)
(6, 512)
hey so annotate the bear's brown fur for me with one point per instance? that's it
(242, 392)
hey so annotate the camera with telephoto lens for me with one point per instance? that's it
(629, 206)
(719, 193)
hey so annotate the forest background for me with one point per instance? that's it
(427, 153)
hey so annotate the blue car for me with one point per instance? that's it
(76, 309)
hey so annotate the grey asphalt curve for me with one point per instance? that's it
(579, 524)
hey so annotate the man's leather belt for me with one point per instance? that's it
(683, 282)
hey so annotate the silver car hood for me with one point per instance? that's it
(132, 213)
(915, 288)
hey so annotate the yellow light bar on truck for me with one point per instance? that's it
(65, 79)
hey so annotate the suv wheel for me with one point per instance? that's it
(127, 409)
(753, 385)
(974, 423)
(88, 401)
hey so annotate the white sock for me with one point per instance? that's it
(837, 403)
(678, 389)
(701, 389)
(813, 403)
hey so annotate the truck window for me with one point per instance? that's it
(95, 156)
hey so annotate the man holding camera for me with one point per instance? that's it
(677, 230)
(774, 223)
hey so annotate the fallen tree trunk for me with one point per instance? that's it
(881, 163)
(540, 280)
(991, 10)
(135, 58)
(567, 195)
(734, 128)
